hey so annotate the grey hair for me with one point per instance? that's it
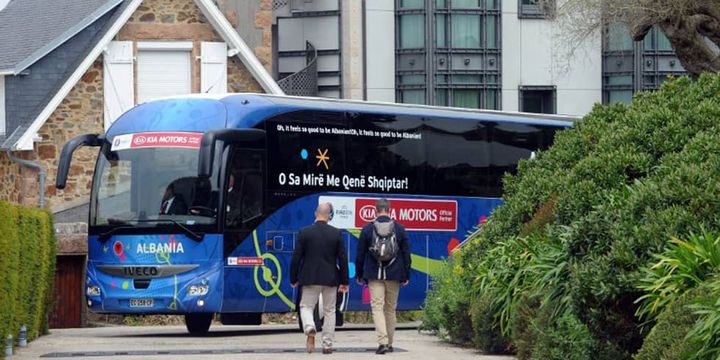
(382, 205)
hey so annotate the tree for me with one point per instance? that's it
(692, 26)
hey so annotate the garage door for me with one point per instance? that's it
(162, 73)
(68, 302)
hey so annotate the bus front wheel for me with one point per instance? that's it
(198, 323)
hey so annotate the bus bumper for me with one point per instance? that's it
(198, 290)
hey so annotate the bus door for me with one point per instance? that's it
(242, 212)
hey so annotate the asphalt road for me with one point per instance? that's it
(232, 342)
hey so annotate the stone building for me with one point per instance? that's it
(70, 67)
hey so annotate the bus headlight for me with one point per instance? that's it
(93, 290)
(194, 290)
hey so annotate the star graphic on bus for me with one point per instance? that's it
(322, 157)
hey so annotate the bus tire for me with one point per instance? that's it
(198, 323)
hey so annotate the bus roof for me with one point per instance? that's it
(399, 108)
(202, 112)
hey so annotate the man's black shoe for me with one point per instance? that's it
(390, 348)
(382, 349)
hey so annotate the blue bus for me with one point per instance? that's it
(196, 201)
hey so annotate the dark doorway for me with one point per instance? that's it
(537, 99)
(68, 296)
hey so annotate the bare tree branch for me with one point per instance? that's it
(690, 25)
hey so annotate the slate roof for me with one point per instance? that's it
(26, 95)
(29, 29)
(44, 42)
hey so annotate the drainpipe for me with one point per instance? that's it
(41, 174)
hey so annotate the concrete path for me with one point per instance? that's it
(231, 342)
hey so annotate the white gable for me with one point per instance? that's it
(216, 19)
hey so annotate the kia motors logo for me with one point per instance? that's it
(367, 213)
(139, 140)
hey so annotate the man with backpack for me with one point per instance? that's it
(383, 263)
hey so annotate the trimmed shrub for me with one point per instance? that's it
(566, 338)
(9, 267)
(447, 306)
(27, 263)
(620, 183)
(486, 334)
(668, 338)
(524, 334)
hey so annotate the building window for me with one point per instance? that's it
(536, 9)
(412, 96)
(412, 4)
(412, 31)
(617, 38)
(538, 99)
(630, 66)
(491, 28)
(465, 31)
(440, 33)
(465, 4)
(163, 69)
(656, 40)
(448, 52)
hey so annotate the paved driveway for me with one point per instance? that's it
(234, 342)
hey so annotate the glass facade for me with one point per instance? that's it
(448, 52)
(630, 66)
(536, 9)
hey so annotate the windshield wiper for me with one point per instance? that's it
(193, 235)
(106, 235)
(126, 224)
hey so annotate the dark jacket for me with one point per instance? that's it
(319, 257)
(368, 267)
(178, 206)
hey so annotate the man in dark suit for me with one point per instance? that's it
(319, 264)
(172, 204)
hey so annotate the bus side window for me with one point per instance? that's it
(244, 191)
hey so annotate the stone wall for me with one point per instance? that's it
(82, 110)
(9, 179)
(263, 21)
(253, 21)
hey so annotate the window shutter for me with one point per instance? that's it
(213, 67)
(118, 84)
(2, 105)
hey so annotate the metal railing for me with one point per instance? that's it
(279, 4)
(305, 81)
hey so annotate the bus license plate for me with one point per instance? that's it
(141, 303)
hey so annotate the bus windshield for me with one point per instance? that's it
(152, 187)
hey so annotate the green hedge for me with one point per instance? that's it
(668, 338)
(27, 265)
(581, 221)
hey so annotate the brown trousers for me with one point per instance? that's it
(383, 301)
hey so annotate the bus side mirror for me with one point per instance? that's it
(253, 138)
(68, 150)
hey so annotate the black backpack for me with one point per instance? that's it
(384, 246)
